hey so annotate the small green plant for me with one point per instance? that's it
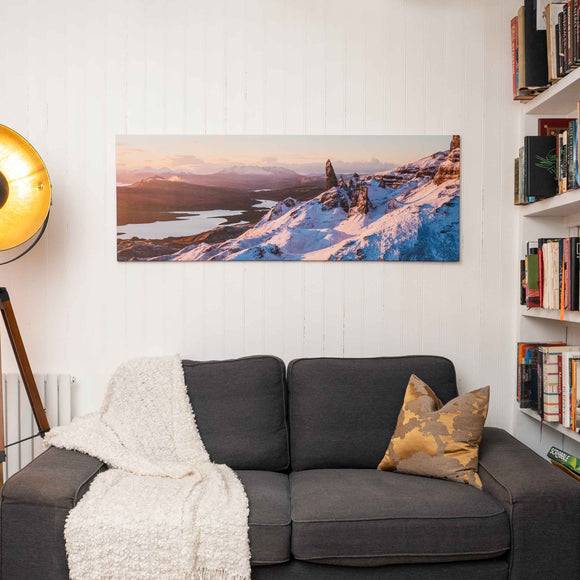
(548, 163)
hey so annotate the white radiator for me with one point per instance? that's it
(19, 423)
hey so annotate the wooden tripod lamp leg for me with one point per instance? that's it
(23, 365)
(2, 442)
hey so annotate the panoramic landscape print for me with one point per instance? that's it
(291, 197)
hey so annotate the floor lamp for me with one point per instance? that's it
(24, 209)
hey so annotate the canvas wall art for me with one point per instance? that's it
(295, 197)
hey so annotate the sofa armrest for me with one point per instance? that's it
(35, 504)
(542, 502)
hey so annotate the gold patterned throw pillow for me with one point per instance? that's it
(438, 440)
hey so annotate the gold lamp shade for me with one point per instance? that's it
(24, 190)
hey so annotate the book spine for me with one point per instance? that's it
(570, 55)
(568, 294)
(541, 268)
(523, 297)
(514, 33)
(559, 389)
(574, 167)
(551, 413)
(575, 32)
(574, 272)
(565, 37)
(570, 156)
(562, 156)
(561, 279)
(517, 181)
(559, 45)
(521, 55)
(522, 170)
(541, 377)
(574, 393)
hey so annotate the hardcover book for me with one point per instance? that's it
(552, 11)
(532, 281)
(540, 167)
(535, 63)
(551, 127)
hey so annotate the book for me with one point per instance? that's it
(531, 49)
(521, 49)
(539, 167)
(571, 174)
(566, 387)
(562, 166)
(551, 127)
(574, 391)
(517, 181)
(523, 282)
(532, 266)
(550, 274)
(514, 39)
(536, 65)
(551, 381)
(521, 167)
(552, 11)
(529, 369)
(575, 39)
(564, 31)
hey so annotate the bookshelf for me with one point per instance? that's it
(558, 100)
(569, 317)
(566, 205)
(557, 216)
(554, 426)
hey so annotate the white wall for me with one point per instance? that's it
(76, 73)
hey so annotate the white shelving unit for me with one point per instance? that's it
(554, 217)
(555, 426)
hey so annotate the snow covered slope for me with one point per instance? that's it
(408, 213)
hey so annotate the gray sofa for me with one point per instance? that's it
(306, 445)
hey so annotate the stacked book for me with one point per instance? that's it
(548, 381)
(545, 40)
(550, 274)
(547, 164)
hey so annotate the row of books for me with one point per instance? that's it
(562, 38)
(548, 162)
(545, 42)
(550, 274)
(547, 381)
(568, 463)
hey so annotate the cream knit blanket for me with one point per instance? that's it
(162, 509)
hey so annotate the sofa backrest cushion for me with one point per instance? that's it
(240, 409)
(343, 411)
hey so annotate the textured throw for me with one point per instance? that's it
(162, 509)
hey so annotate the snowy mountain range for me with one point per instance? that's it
(407, 213)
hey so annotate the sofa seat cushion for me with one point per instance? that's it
(364, 517)
(269, 522)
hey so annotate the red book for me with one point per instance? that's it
(551, 127)
(514, 31)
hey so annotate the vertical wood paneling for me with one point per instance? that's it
(252, 67)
